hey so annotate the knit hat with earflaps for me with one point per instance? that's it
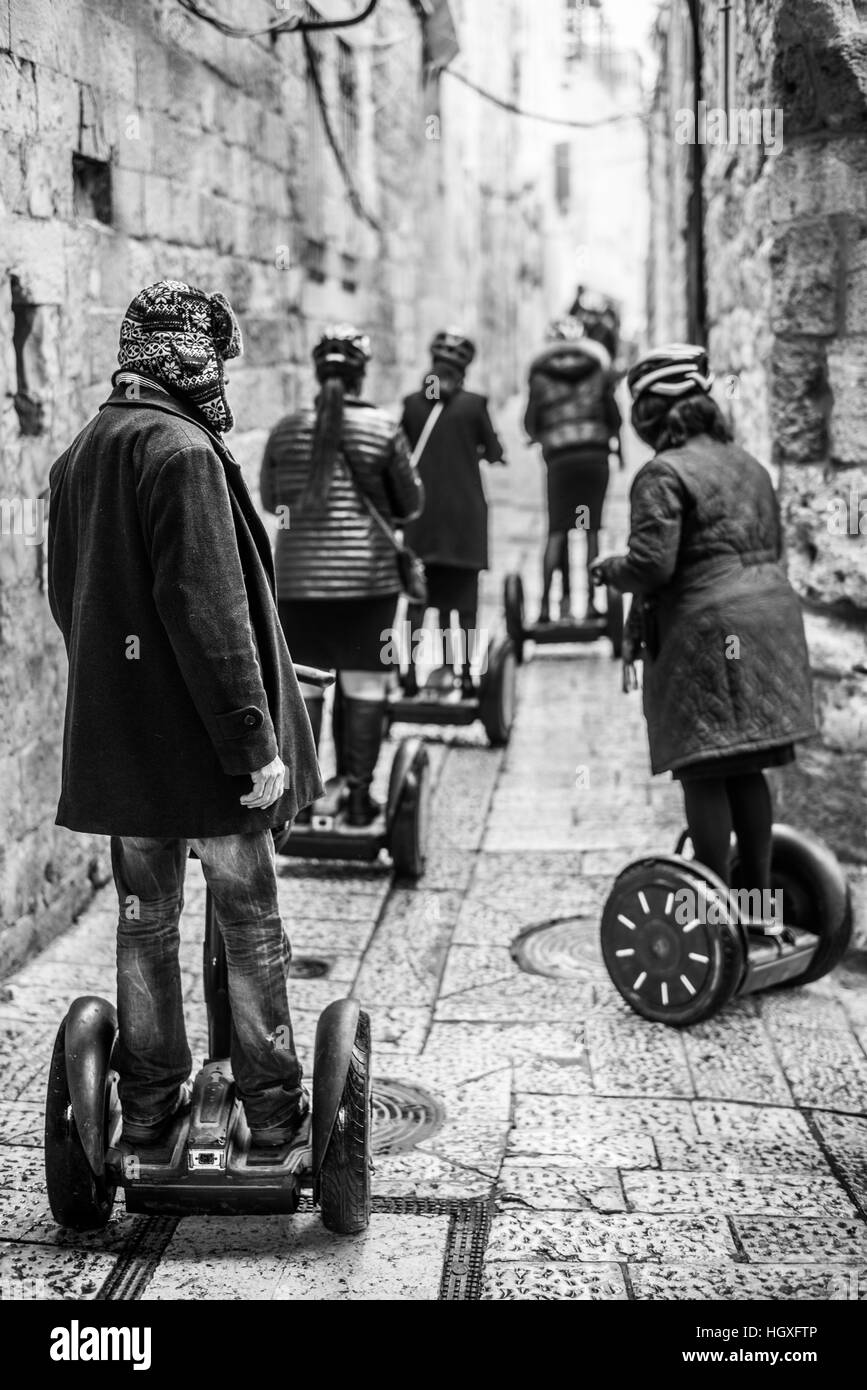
(180, 337)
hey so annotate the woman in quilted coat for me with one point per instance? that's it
(726, 675)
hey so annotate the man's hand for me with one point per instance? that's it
(268, 786)
(599, 570)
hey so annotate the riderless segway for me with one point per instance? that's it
(206, 1164)
(608, 624)
(678, 944)
(440, 702)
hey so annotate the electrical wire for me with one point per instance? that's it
(536, 115)
(292, 24)
(352, 192)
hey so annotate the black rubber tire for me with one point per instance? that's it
(702, 993)
(79, 1199)
(816, 896)
(497, 696)
(407, 841)
(344, 1178)
(614, 627)
(513, 604)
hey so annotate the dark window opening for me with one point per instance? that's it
(314, 259)
(349, 272)
(29, 410)
(563, 176)
(91, 189)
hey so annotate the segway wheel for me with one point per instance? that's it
(670, 943)
(513, 603)
(407, 840)
(79, 1198)
(815, 896)
(497, 695)
(344, 1191)
(614, 627)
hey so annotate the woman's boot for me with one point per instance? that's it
(363, 729)
(313, 705)
(338, 729)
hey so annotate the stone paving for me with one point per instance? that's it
(614, 1159)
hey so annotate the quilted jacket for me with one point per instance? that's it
(571, 401)
(341, 553)
(726, 667)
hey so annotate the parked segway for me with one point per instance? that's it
(678, 944)
(206, 1164)
(440, 702)
(608, 624)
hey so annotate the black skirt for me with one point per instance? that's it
(452, 586)
(339, 634)
(736, 764)
(576, 478)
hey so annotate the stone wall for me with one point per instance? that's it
(135, 143)
(787, 331)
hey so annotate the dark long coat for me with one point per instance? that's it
(162, 582)
(453, 527)
(726, 671)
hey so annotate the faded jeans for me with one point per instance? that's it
(152, 1056)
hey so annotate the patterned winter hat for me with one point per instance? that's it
(180, 337)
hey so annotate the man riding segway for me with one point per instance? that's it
(181, 691)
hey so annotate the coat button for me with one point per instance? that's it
(250, 720)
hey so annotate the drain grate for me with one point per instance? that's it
(403, 1115)
(463, 1260)
(308, 968)
(564, 950)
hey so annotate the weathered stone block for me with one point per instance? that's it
(847, 375)
(800, 401)
(804, 264)
(825, 513)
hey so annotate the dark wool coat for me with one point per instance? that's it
(453, 528)
(726, 670)
(161, 580)
(571, 403)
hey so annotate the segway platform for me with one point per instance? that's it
(438, 702)
(207, 1164)
(608, 624)
(400, 828)
(679, 944)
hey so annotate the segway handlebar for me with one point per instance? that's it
(311, 675)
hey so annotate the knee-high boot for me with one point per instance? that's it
(363, 725)
(314, 705)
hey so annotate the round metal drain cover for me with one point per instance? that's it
(308, 968)
(403, 1115)
(566, 950)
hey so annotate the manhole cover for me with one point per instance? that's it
(308, 968)
(566, 950)
(403, 1115)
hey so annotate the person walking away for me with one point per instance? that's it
(451, 428)
(727, 690)
(330, 466)
(181, 693)
(572, 413)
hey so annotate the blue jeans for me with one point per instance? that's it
(152, 1056)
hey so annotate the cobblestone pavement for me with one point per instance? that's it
(613, 1159)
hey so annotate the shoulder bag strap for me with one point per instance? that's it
(421, 443)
